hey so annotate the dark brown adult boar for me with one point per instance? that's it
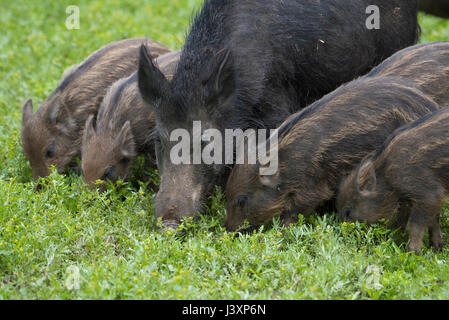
(427, 65)
(407, 180)
(249, 64)
(52, 135)
(122, 130)
(319, 146)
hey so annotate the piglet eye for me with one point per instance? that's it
(241, 201)
(124, 160)
(108, 173)
(51, 151)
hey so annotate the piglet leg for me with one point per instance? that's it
(401, 219)
(435, 237)
(425, 213)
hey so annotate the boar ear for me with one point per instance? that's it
(152, 83)
(89, 129)
(27, 111)
(126, 142)
(60, 115)
(218, 77)
(272, 181)
(366, 179)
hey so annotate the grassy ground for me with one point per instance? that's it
(69, 243)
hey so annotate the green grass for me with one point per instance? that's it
(67, 242)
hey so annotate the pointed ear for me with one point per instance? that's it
(152, 83)
(58, 114)
(218, 78)
(366, 179)
(89, 129)
(126, 142)
(27, 111)
(272, 181)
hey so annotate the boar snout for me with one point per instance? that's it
(171, 212)
(172, 209)
(41, 173)
(239, 226)
(180, 195)
(230, 226)
(170, 224)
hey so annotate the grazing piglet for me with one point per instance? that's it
(122, 130)
(52, 135)
(250, 64)
(407, 177)
(427, 65)
(321, 144)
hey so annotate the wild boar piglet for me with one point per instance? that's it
(122, 130)
(319, 145)
(53, 134)
(406, 180)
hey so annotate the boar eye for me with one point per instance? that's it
(158, 153)
(51, 151)
(108, 173)
(241, 201)
(155, 135)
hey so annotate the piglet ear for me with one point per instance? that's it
(126, 142)
(366, 179)
(152, 83)
(272, 181)
(60, 115)
(27, 111)
(89, 129)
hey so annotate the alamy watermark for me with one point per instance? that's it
(73, 279)
(373, 21)
(73, 19)
(209, 147)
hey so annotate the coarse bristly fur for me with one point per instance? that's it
(427, 65)
(320, 145)
(52, 135)
(405, 180)
(122, 130)
(250, 64)
(436, 7)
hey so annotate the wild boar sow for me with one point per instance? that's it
(52, 135)
(123, 128)
(321, 144)
(405, 180)
(250, 64)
